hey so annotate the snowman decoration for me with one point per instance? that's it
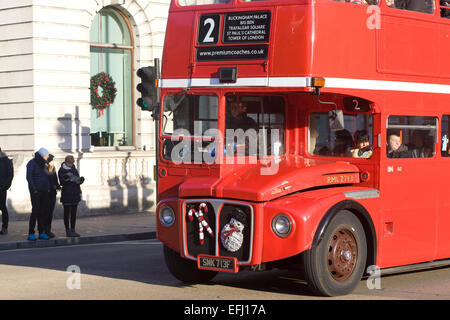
(232, 235)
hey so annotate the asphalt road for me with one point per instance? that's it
(136, 270)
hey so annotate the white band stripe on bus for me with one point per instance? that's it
(339, 83)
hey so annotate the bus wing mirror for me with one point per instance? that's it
(336, 120)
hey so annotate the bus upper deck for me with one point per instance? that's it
(283, 43)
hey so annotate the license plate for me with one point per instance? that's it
(225, 264)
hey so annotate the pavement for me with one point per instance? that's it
(94, 229)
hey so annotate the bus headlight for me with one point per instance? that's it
(282, 225)
(167, 216)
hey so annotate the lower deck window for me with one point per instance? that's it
(355, 140)
(411, 137)
(254, 125)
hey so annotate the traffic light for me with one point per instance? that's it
(148, 88)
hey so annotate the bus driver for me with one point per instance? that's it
(239, 118)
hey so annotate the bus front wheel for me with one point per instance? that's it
(186, 270)
(335, 266)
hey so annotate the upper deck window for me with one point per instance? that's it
(186, 3)
(365, 2)
(425, 6)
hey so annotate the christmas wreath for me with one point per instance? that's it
(104, 81)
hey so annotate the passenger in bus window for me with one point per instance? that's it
(390, 3)
(366, 2)
(313, 135)
(362, 149)
(419, 149)
(445, 13)
(415, 5)
(315, 148)
(343, 143)
(395, 148)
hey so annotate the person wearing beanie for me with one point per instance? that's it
(44, 153)
(39, 187)
(70, 194)
(6, 176)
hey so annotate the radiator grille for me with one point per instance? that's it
(217, 215)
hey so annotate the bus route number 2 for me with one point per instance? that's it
(208, 29)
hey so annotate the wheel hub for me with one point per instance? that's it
(342, 254)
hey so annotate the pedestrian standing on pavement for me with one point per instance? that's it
(39, 187)
(71, 193)
(6, 176)
(54, 186)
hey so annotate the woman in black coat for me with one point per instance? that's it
(70, 181)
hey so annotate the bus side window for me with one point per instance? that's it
(325, 142)
(366, 2)
(445, 152)
(425, 6)
(445, 12)
(411, 137)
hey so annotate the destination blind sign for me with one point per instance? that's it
(245, 27)
(244, 34)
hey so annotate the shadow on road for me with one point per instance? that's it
(272, 281)
(143, 261)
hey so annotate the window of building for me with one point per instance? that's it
(111, 51)
(411, 137)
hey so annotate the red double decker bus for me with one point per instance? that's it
(309, 134)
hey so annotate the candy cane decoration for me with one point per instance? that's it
(202, 223)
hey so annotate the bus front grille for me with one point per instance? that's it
(218, 228)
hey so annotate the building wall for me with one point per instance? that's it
(16, 75)
(45, 98)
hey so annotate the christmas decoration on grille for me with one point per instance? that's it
(232, 234)
(202, 223)
(104, 81)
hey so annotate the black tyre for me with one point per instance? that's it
(186, 270)
(335, 266)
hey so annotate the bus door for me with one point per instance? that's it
(408, 191)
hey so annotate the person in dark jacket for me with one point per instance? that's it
(39, 187)
(6, 176)
(71, 193)
(395, 148)
(54, 186)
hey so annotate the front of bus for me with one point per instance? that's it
(235, 189)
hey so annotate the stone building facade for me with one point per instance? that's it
(49, 50)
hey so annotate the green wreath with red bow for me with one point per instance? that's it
(104, 81)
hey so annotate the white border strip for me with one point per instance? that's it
(212, 82)
(340, 83)
(343, 83)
